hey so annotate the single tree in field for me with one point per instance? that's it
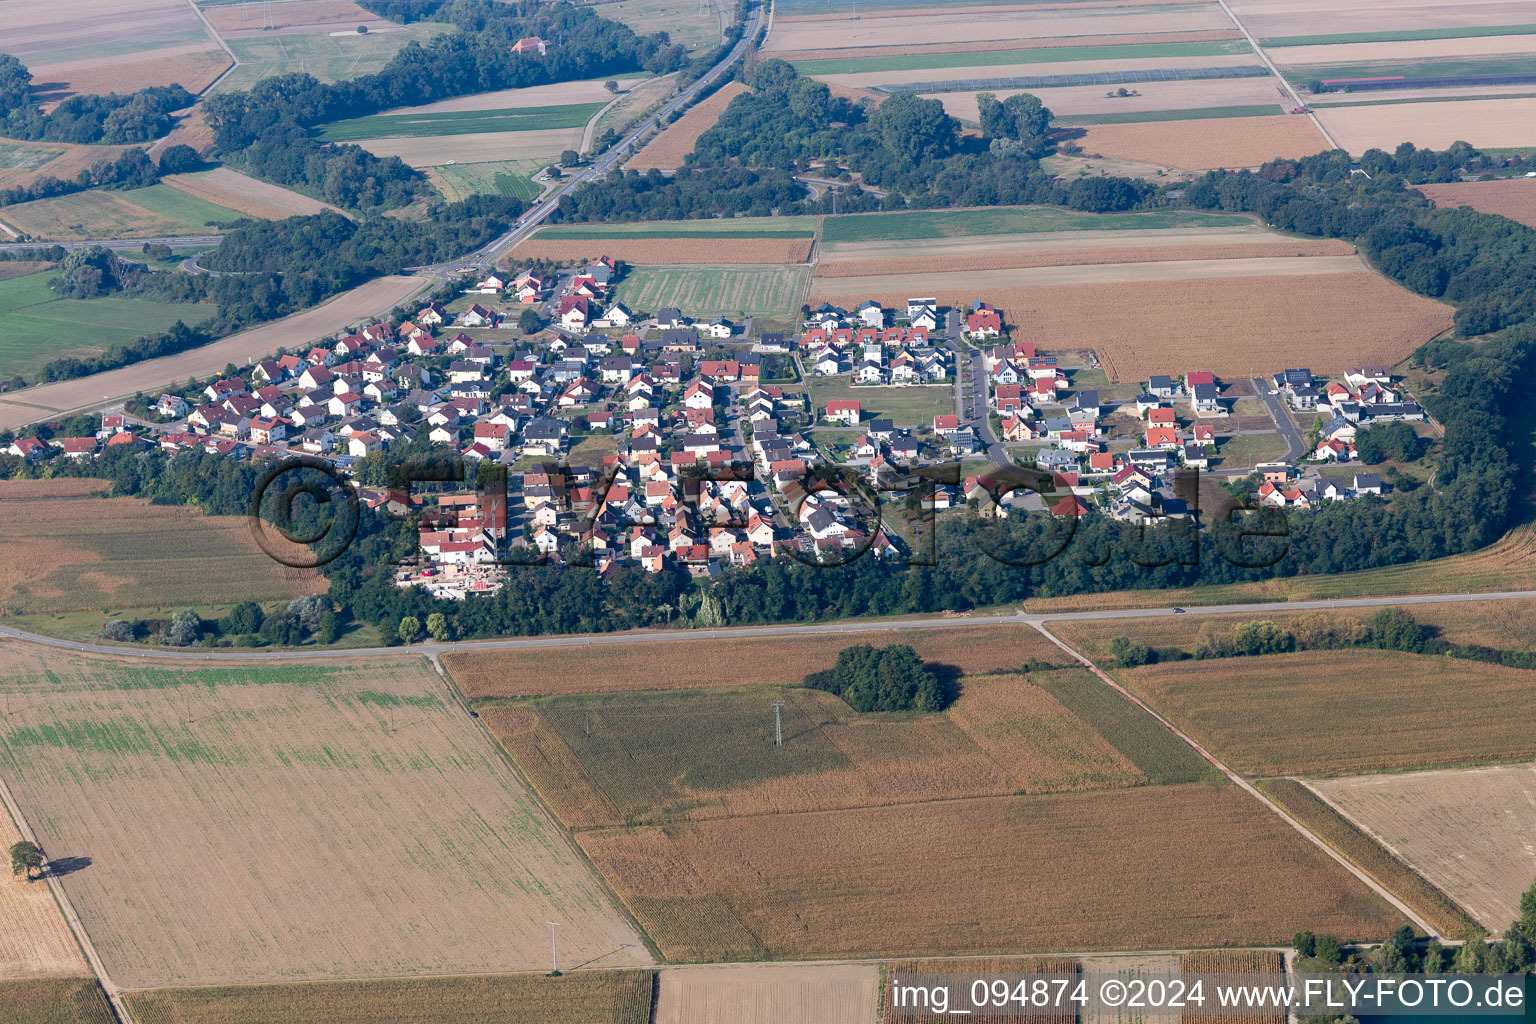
(611, 86)
(26, 857)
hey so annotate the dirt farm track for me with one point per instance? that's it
(22, 407)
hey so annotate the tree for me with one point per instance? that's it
(569, 158)
(1021, 118)
(611, 86)
(184, 629)
(178, 159)
(1129, 653)
(245, 617)
(437, 625)
(529, 322)
(915, 128)
(891, 678)
(410, 629)
(1305, 943)
(1328, 949)
(1528, 910)
(26, 857)
(118, 630)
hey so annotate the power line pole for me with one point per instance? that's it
(778, 723)
(554, 950)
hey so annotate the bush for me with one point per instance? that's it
(889, 678)
(184, 629)
(118, 630)
(1129, 653)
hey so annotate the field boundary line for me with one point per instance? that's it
(1250, 789)
(234, 61)
(76, 926)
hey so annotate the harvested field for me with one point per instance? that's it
(839, 232)
(979, 261)
(580, 997)
(987, 967)
(667, 150)
(1370, 856)
(1240, 235)
(157, 210)
(34, 940)
(55, 1001)
(1349, 53)
(43, 34)
(67, 553)
(665, 756)
(992, 23)
(678, 251)
(557, 94)
(22, 407)
(768, 994)
(10, 269)
(247, 195)
(1467, 832)
(436, 150)
(1514, 198)
(1335, 711)
(1265, 18)
(1066, 65)
(1486, 124)
(1066, 100)
(942, 50)
(687, 664)
(1207, 144)
(194, 67)
(319, 15)
(22, 163)
(1144, 327)
(330, 58)
(686, 22)
(992, 282)
(1208, 864)
(719, 290)
(198, 792)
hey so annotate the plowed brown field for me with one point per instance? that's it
(689, 664)
(1084, 257)
(1208, 864)
(667, 150)
(1206, 144)
(1232, 326)
(768, 994)
(668, 251)
(1514, 198)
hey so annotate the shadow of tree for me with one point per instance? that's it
(66, 865)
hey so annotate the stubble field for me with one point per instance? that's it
(675, 251)
(55, 1001)
(686, 664)
(244, 194)
(993, 966)
(319, 15)
(95, 30)
(1514, 198)
(952, 258)
(193, 67)
(767, 994)
(1207, 144)
(1143, 327)
(480, 147)
(1152, 97)
(1208, 864)
(261, 822)
(157, 210)
(1486, 124)
(1269, 18)
(1468, 832)
(668, 150)
(1336, 711)
(34, 940)
(580, 997)
(63, 552)
(613, 759)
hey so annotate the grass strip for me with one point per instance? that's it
(1402, 35)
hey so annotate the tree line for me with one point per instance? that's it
(112, 119)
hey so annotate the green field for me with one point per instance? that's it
(157, 209)
(40, 326)
(581, 997)
(715, 290)
(329, 58)
(1403, 35)
(1429, 68)
(494, 177)
(907, 406)
(733, 227)
(1033, 55)
(18, 157)
(459, 122)
(54, 1001)
(1193, 114)
(917, 224)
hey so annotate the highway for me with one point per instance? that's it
(183, 242)
(1020, 618)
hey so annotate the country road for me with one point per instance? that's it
(432, 649)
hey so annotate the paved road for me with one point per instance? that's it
(971, 392)
(184, 242)
(1293, 438)
(432, 649)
